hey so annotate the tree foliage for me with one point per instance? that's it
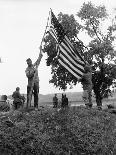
(101, 52)
(92, 16)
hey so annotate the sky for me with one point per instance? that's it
(22, 25)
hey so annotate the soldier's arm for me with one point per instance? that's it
(39, 58)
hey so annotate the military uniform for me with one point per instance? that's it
(55, 101)
(18, 99)
(87, 87)
(33, 80)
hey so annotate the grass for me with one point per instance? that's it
(75, 130)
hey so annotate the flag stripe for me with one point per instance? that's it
(64, 61)
(71, 55)
(70, 59)
(77, 53)
(71, 70)
(70, 47)
(70, 65)
(70, 50)
(65, 66)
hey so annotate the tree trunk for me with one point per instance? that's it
(99, 100)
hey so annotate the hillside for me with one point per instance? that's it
(74, 131)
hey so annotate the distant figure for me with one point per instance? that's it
(62, 101)
(4, 105)
(18, 98)
(65, 100)
(33, 80)
(86, 81)
(4, 98)
(55, 101)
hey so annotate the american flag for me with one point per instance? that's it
(68, 56)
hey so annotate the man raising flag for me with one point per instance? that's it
(33, 80)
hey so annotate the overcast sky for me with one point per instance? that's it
(22, 25)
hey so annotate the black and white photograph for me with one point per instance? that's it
(57, 77)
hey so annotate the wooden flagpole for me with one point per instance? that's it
(40, 56)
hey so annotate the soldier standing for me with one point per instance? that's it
(55, 101)
(33, 80)
(86, 81)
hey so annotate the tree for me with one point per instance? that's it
(101, 52)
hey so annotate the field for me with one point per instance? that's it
(48, 131)
(71, 131)
(75, 99)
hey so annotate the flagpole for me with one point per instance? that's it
(45, 29)
(30, 93)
